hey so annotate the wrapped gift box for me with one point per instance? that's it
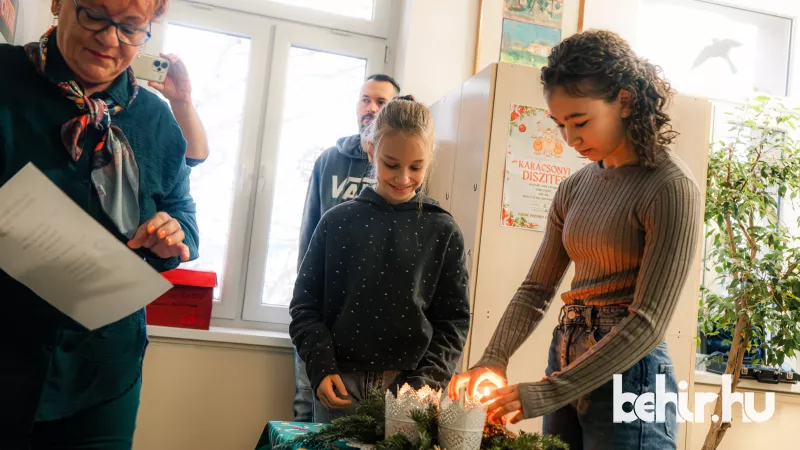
(188, 304)
(278, 433)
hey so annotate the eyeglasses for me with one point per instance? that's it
(96, 21)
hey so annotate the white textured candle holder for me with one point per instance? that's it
(398, 410)
(461, 423)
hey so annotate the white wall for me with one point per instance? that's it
(435, 46)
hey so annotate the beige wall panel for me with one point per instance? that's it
(197, 396)
(778, 432)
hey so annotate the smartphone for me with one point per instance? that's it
(150, 68)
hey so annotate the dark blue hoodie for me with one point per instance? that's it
(383, 287)
(340, 174)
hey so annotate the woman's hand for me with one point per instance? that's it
(504, 403)
(326, 392)
(163, 236)
(177, 88)
(475, 378)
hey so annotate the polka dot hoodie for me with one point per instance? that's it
(383, 287)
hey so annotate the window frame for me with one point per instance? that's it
(708, 277)
(285, 39)
(251, 27)
(722, 104)
(378, 27)
(792, 80)
(271, 39)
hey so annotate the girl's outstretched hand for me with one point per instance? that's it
(487, 378)
(504, 405)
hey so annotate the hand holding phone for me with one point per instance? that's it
(150, 68)
(176, 87)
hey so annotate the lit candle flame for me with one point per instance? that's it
(484, 394)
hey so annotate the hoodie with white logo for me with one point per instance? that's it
(340, 174)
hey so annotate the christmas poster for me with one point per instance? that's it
(537, 161)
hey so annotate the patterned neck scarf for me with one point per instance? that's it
(115, 173)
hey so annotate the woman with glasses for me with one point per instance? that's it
(69, 105)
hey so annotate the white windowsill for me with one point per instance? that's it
(712, 379)
(224, 335)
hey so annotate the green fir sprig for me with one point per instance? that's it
(367, 426)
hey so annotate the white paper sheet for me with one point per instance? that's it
(53, 247)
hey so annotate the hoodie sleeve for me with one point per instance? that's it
(449, 315)
(310, 335)
(311, 213)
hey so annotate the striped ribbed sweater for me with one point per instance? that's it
(631, 233)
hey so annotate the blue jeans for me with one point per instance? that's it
(303, 394)
(588, 422)
(358, 385)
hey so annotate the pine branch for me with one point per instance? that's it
(498, 437)
(427, 422)
(525, 441)
(357, 427)
(396, 442)
(368, 423)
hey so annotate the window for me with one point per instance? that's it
(365, 17)
(272, 96)
(306, 130)
(298, 128)
(789, 215)
(218, 65)
(719, 51)
(362, 9)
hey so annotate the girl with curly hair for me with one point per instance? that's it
(630, 224)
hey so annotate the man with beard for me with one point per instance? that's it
(339, 175)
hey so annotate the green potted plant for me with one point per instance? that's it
(752, 176)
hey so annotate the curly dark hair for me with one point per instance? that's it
(599, 64)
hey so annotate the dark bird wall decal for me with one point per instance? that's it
(720, 48)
